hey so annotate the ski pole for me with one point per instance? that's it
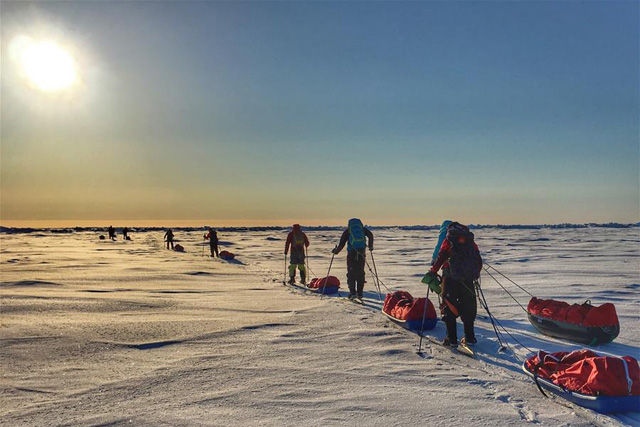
(203, 242)
(284, 280)
(326, 279)
(375, 270)
(424, 315)
(306, 259)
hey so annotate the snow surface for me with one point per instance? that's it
(111, 333)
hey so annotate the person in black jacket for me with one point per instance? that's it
(213, 242)
(169, 238)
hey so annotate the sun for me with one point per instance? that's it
(46, 64)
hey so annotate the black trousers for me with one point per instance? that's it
(355, 271)
(214, 248)
(459, 299)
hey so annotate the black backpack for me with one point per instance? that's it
(465, 262)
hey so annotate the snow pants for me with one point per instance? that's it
(297, 260)
(459, 299)
(355, 271)
(214, 248)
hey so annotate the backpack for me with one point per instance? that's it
(465, 262)
(297, 240)
(356, 235)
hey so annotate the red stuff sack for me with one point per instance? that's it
(226, 255)
(331, 282)
(402, 306)
(605, 315)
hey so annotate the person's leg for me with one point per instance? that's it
(360, 274)
(303, 273)
(292, 273)
(468, 311)
(216, 250)
(351, 272)
(451, 308)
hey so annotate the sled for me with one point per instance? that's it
(413, 325)
(326, 285)
(226, 255)
(581, 323)
(628, 400)
(408, 312)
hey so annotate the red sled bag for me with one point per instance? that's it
(226, 255)
(602, 383)
(401, 307)
(325, 285)
(583, 323)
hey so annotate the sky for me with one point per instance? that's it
(268, 113)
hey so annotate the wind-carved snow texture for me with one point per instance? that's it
(113, 333)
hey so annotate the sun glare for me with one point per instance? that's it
(46, 65)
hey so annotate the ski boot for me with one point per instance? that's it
(447, 343)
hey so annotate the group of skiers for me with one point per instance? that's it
(456, 253)
(212, 236)
(112, 233)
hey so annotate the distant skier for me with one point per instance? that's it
(212, 235)
(112, 232)
(125, 233)
(354, 237)
(168, 236)
(461, 264)
(298, 241)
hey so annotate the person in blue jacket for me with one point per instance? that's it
(354, 237)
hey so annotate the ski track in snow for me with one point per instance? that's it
(112, 333)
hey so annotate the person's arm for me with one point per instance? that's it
(480, 263)
(343, 241)
(369, 235)
(306, 240)
(286, 245)
(443, 256)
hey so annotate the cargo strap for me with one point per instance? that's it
(626, 371)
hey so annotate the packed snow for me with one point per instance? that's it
(96, 332)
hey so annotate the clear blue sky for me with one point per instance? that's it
(271, 112)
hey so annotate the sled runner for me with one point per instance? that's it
(604, 384)
(582, 323)
(406, 311)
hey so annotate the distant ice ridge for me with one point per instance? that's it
(25, 230)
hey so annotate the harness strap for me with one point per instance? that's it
(535, 376)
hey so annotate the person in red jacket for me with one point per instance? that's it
(461, 264)
(297, 240)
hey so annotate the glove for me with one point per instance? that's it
(371, 248)
(285, 253)
(432, 280)
(334, 250)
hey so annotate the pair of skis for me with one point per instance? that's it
(355, 300)
(462, 348)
